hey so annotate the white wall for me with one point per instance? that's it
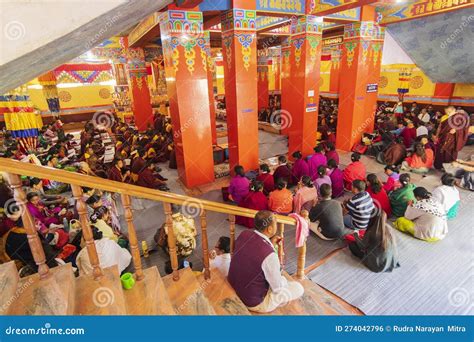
(26, 25)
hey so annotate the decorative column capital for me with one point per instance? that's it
(239, 20)
(367, 30)
(306, 24)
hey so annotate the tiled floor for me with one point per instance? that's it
(148, 216)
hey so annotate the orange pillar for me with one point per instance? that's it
(239, 49)
(186, 74)
(276, 71)
(210, 69)
(360, 65)
(285, 81)
(303, 94)
(137, 77)
(444, 91)
(335, 69)
(262, 74)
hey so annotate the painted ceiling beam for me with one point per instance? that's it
(327, 7)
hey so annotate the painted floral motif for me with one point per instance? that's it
(376, 48)
(350, 51)
(227, 39)
(416, 82)
(246, 39)
(65, 96)
(313, 47)
(298, 43)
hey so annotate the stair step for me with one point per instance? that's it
(187, 295)
(148, 296)
(51, 296)
(300, 306)
(100, 297)
(331, 304)
(8, 286)
(221, 295)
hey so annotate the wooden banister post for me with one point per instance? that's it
(132, 236)
(281, 251)
(232, 233)
(205, 245)
(302, 251)
(87, 231)
(29, 225)
(171, 240)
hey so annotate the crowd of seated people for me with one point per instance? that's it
(314, 183)
(115, 152)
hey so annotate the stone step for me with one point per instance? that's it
(51, 296)
(331, 304)
(187, 294)
(8, 286)
(221, 295)
(100, 297)
(148, 296)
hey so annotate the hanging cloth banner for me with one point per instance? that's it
(20, 118)
(404, 77)
(50, 91)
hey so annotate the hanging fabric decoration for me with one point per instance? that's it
(404, 78)
(20, 118)
(83, 73)
(50, 91)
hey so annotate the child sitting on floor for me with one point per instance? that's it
(220, 255)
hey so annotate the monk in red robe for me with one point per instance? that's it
(267, 179)
(452, 135)
(147, 179)
(115, 172)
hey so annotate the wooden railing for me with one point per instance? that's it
(15, 169)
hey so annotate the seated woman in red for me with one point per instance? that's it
(353, 171)
(378, 194)
(267, 179)
(255, 200)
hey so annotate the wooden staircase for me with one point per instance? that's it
(57, 291)
(63, 294)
